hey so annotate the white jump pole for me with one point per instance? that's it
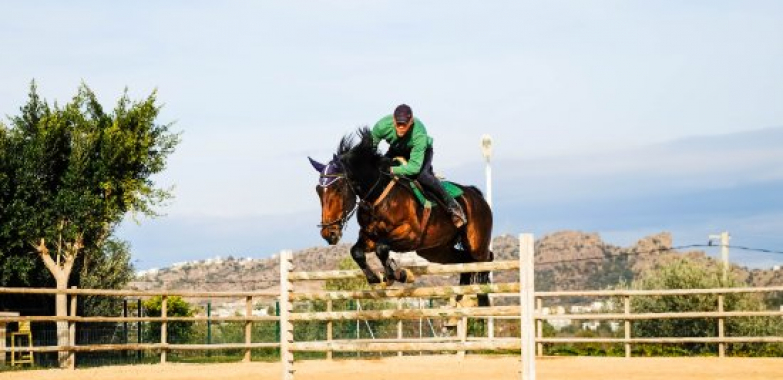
(526, 299)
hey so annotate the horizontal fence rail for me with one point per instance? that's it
(407, 314)
(434, 269)
(148, 346)
(662, 292)
(423, 292)
(497, 344)
(140, 293)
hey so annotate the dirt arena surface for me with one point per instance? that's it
(438, 367)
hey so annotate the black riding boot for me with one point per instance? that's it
(427, 179)
(452, 206)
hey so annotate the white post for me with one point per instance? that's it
(286, 308)
(526, 299)
(724, 253)
(486, 151)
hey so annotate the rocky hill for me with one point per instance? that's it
(566, 260)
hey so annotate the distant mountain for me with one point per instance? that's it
(565, 260)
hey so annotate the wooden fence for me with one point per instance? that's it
(529, 313)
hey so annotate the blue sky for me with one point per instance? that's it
(255, 87)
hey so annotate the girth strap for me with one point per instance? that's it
(426, 217)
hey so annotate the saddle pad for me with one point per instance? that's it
(452, 188)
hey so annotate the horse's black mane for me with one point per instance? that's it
(363, 150)
(361, 160)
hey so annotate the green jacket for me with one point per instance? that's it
(412, 145)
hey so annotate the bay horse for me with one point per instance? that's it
(391, 218)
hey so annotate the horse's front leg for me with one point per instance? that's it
(392, 272)
(358, 253)
(382, 250)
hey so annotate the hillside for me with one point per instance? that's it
(566, 260)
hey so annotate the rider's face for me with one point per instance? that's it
(402, 129)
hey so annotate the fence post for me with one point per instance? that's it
(286, 308)
(721, 328)
(138, 328)
(526, 296)
(125, 332)
(539, 327)
(72, 332)
(163, 327)
(329, 332)
(627, 323)
(399, 324)
(248, 327)
(209, 324)
(462, 331)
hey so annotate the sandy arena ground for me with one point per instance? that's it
(439, 367)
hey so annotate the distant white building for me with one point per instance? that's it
(591, 325)
(557, 323)
(146, 272)
(580, 309)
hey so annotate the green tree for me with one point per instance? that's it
(75, 172)
(178, 332)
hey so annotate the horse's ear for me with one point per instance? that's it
(317, 165)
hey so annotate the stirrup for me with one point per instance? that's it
(457, 215)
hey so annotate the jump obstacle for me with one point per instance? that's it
(525, 343)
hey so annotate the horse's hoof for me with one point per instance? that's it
(372, 279)
(406, 276)
(468, 301)
(381, 285)
(386, 280)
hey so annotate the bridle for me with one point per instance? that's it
(326, 180)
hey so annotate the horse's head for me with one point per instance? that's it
(338, 200)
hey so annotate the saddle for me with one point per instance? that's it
(426, 199)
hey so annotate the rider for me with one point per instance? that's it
(408, 138)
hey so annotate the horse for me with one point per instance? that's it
(391, 218)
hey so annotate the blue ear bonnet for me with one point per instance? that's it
(331, 173)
